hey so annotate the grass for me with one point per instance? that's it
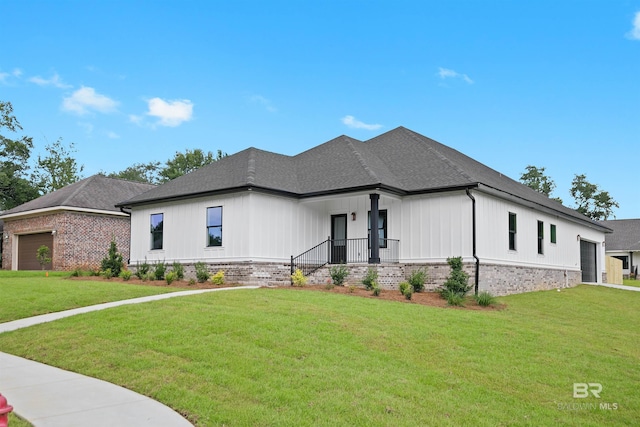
(16, 421)
(278, 357)
(631, 282)
(30, 293)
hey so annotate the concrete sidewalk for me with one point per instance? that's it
(51, 397)
(623, 287)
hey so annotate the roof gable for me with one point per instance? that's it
(625, 236)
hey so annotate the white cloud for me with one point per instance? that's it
(86, 99)
(53, 81)
(352, 122)
(17, 72)
(112, 135)
(258, 99)
(5, 77)
(634, 34)
(446, 73)
(170, 113)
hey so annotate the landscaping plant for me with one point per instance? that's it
(170, 277)
(178, 268)
(406, 289)
(159, 270)
(113, 260)
(142, 269)
(202, 273)
(417, 279)
(370, 278)
(457, 284)
(338, 274)
(298, 278)
(485, 299)
(44, 255)
(218, 278)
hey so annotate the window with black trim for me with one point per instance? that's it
(552, 233)
(624, 259)
(512, 231)
(541, 237)
(382, 228)
(214, 226)
(157, 221)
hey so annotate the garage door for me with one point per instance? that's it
(28, 245)
(588, 261)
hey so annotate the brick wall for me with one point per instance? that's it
(81, 239)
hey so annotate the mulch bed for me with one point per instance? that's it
(423, 298)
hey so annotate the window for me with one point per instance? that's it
(540, 237)
(156, 230)
(214, 226)
(382, 228)
(553, 233)
(512, 231)
(625, 261)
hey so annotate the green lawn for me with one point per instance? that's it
(631, 282)
(29, 293)
(279, 357)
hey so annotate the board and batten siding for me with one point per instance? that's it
(493, 236)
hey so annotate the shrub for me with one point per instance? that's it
(218, 278)
(170, 277)
(43, 254)
(191, 282)
(485, 299)
(113, 260)
(352, 288)
(298, 278)
(406, 289)
(376, 289)
(179, 270)
(142, 269)
(329, 286)
(159, 269)
(417, 279)
(370, 279)
(457, 282)
(150, 276)
(125, 274)
(77, 272)
(107, 274)
(338, 274)
(454, 298)
(202, 273)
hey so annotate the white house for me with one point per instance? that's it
(624, 244)
(253, 213)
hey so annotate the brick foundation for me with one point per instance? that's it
(496, 279)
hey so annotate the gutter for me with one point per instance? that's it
(473, 231)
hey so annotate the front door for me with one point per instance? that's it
(588, 262)
(338, 239)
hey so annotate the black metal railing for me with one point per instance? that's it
(343, 251)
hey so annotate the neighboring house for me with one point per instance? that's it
(77, 224)
(253, 213)
(624, 244)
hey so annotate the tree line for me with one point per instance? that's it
(20, 181)
(23, 179)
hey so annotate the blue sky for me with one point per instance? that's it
(510, 83)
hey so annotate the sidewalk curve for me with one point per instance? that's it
(47, 396)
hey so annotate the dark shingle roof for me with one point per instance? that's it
(399, 160)
(625, 236)
(96, 193)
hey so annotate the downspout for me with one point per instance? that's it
(473, 238)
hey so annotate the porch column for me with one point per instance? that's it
(374, 256)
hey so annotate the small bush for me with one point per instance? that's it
(77, 272)
(352, 288)
(417, 279)
(107, 274)
(485, 299)
(376, 289)
(191, 282)
(338, 274)
(454, 298)
(113, 260)
(404, 287)
(125, 274)
(170, 277)
(409, 293)
(218, 278)
(150, 276)
(142, 269)
(457, 283)
(178, 269)
(329, 286)
(298, 278)
(370, 279)
(159, 270)
(202, 273)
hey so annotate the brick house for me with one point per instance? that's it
(77, 223)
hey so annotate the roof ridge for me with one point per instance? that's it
(251, 166)
(361, 160)
(81, 185)
(440, 155)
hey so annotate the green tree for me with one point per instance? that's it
(43, 254)
(536, 179)
(592, 202)
(58, 169)
(140, 172)
(183, 163)
(15, 187)
(113, 260)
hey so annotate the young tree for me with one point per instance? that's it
(15, 188)
(592, 202)
(58, 169)
(43, 254)
(183, 163)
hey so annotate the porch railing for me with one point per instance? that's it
(347, 251)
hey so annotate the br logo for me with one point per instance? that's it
(582, 390)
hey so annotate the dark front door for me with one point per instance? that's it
(588, 262)
(338, 239)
